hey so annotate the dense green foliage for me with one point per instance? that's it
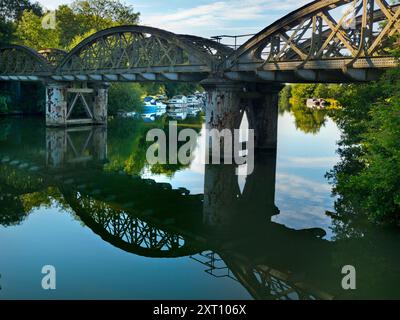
(185, 88)
(125, 97)
(30, 32)
(11, 12)
(284, 99)
(73, 23)
(367, 180)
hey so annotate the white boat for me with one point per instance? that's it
(151, 102)
(161, 97)
(192, 100)
(131, 114)
(124, 114)
(178, 114)
(178, 101)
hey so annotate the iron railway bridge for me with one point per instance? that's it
(324, 41)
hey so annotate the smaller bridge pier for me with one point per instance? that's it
(229, 100)
(68, 105)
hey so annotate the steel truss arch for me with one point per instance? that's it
(21, 61)
(324, 34)
(135, 49)
(128, 232)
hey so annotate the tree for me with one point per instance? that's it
(70, 26)
(185, 88)
(10, 12)
(100, 14)
(366, 180)
(31, 33)
(7, 30)
(125, 97)
(73, 23)
(79, 38)
(284, 99)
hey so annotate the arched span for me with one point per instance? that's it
(22, 63)
(137, 53)
(346, 37)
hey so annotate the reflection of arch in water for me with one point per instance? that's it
(128, 232)
(267, 283)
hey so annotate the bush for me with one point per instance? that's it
(367, 179)
(125, 97)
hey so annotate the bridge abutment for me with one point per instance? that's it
(229, 100)
(64, 100)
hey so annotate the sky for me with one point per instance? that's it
(206, 18)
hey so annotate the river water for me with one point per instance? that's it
(85, 201)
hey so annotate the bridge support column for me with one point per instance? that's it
(228, 100)
(262, 112)
(223, 114)
(224, 104)
(56, 104)
(100, 104)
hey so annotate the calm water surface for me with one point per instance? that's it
(86, 202)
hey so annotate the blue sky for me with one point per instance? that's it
(207, 17)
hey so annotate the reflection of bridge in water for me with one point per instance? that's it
(227, 230)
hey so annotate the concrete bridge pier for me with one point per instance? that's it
(56, 104)
(261, 106)
(100, 103)
(229, 100)
(62, 102)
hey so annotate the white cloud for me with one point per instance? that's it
(240, 15)
(53, 4)
(308, 162)
(299, 188)
(224, 16)
(303, 202)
